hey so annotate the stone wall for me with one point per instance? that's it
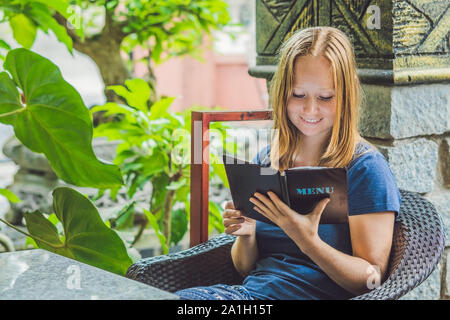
(410, 127)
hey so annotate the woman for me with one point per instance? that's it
(315, 96)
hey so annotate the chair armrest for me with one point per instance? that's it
(418, 244)
(202, 265)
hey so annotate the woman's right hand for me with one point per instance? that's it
(235, 223)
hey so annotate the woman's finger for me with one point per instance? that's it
(269, 215)
(229, 205)
(230, 213)
(229, 222)
(278, 203)
(263, 210)
(232, 228)
(258, 203)
(321, 206)
(268, 203)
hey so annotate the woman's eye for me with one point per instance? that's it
(326, 98)
(298, 95)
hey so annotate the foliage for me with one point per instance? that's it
(25, 17)
(172, 27)
(165, 28)
(10, 196)
(154, 147)
(85, 238)
(52, 120)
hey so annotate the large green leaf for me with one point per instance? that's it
(54, 120)
(86, 238)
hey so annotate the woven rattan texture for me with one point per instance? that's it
(419, 240)
(205, 264)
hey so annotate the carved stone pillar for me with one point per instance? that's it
(402, 51)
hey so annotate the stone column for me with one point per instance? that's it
(402, 51)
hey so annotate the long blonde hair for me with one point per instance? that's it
(334, 45)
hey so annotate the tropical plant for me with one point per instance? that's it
(52, 119)
(85, 237)
(49, 117)
(154, 147)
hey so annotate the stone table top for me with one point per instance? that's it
(41, 275)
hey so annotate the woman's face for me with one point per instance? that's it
(312, 105)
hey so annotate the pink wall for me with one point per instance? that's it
(220, 80)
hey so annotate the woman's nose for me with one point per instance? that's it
(310, 106)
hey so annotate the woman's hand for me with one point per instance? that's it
(235, 223)
(303, 229)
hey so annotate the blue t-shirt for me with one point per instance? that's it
(283, 271)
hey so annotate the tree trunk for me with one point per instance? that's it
(105, 51)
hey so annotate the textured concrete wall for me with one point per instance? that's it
(410, 125)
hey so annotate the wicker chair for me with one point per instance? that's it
(419, 240)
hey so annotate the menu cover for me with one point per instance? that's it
(301, 188)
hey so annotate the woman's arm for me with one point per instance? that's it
(371, 237)
(244, 251)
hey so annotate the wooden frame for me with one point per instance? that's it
(200, 121)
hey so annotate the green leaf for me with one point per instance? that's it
(159, 190)
(9, 195)
(125, 217)
(218, 169)
(30, 242)
(179, 225)
(24, 30)
(159, 108)
(62, 6)
(136, 93)
(54, 120)
(4, 45)
(174, 185)
(155, 163)
(215, 217)
(112, 109)
(40, 14)
(154, 224)
(86, 238)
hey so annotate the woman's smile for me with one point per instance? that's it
(311, 122)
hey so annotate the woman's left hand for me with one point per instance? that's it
(302, 228)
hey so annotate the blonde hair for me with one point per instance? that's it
(334, 45)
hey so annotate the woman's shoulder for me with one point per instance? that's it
(372, 186)
(369, 162)
(364, 154)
